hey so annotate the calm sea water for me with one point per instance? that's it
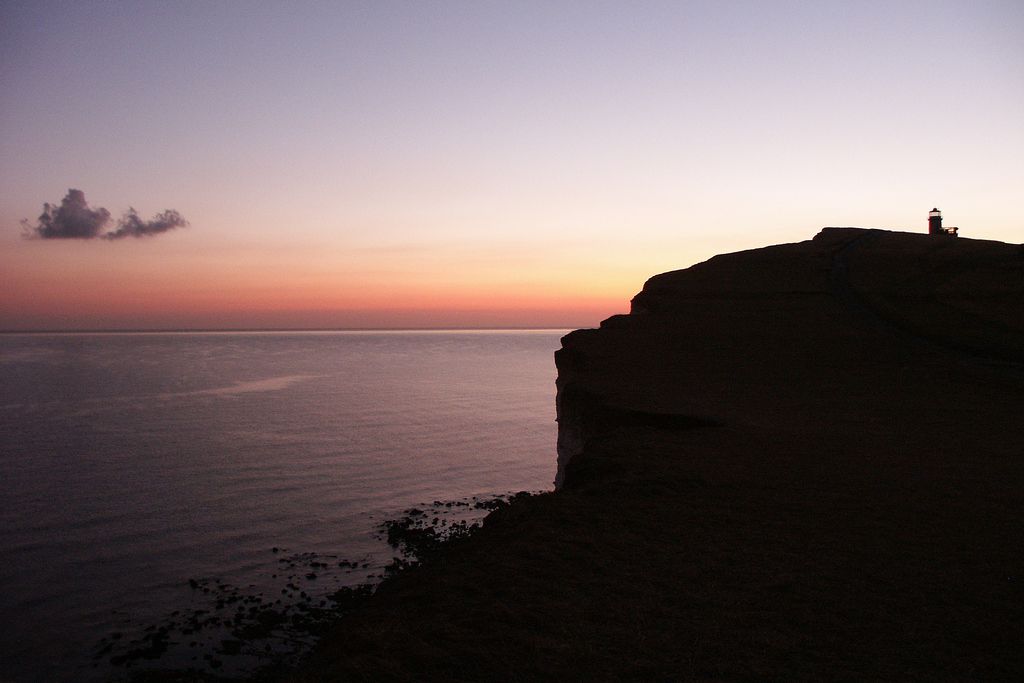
(130, 463)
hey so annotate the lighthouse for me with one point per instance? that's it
(935, 224)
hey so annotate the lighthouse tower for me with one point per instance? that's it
(935, 225)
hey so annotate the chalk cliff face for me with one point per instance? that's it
(569, 413)
(791, 334)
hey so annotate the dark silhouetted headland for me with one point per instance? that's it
(802, 462)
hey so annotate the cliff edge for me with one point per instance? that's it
(801, 462)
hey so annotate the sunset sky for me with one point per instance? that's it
(475, 164)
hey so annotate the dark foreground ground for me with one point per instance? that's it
(798, 463)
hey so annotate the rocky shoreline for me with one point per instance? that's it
(233, 632)
(801, 462)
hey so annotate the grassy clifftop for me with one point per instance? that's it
(796, 463)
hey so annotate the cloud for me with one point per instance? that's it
(131, 225)
(73, 219)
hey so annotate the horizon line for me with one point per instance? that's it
(207, 330)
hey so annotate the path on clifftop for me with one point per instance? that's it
(971, 354)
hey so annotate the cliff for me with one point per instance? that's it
(794, 463)
(857, 326)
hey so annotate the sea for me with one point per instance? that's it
(156, 486)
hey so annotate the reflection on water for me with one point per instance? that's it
(268, 384)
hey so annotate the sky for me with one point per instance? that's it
(477, 164)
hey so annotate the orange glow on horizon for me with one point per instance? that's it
(99, 286)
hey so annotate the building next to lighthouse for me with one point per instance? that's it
(935, 225)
